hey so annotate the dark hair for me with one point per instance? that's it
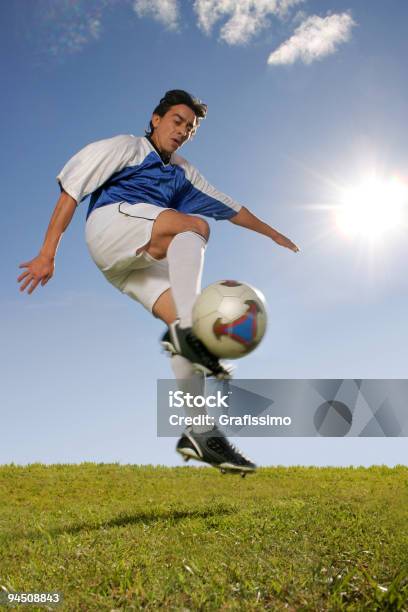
(179, 96)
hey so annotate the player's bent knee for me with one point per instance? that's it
(171, 223)
(200, 226)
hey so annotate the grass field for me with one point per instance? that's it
(113, 537)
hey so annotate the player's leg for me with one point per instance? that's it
(188, 380)
(164, 307)
(201, 441)
(182, 239)
(150, 286)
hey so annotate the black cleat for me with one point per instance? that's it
(214, 448)
(183, 341)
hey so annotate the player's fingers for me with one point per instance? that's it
(33, 286)
(26, 283)
(24, 264)
(23, 275)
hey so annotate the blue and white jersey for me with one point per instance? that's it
(128, 169)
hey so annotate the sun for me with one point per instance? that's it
(373, 208)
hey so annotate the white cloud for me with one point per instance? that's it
(94, 26)
(284, 7)
(62, 28)
(299, 17)
(313, 39)
(164, 11)
(245, 18)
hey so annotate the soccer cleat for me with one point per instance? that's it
(214, 448)
(184, 342)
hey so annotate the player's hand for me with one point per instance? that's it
(39, 270)
(285, 242)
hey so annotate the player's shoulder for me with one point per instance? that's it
(178, 160)
(185, 165)
(126, 140)
(115, 143)
(136, 147)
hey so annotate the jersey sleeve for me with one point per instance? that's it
(94, 164)
(198, 196)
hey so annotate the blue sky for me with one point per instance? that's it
(306, 99)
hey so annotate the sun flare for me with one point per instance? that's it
(373, 208)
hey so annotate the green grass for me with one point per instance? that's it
(113, 537)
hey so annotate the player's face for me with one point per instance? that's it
(174, 129)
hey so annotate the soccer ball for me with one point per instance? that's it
(229, 317)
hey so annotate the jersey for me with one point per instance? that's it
(129, 169)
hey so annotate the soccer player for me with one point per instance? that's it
(143, 234)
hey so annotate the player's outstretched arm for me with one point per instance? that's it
(41, 268)
(245, 218)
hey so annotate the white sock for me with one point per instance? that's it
(185, 256)
(191, 382)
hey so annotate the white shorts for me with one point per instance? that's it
(113, 234)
